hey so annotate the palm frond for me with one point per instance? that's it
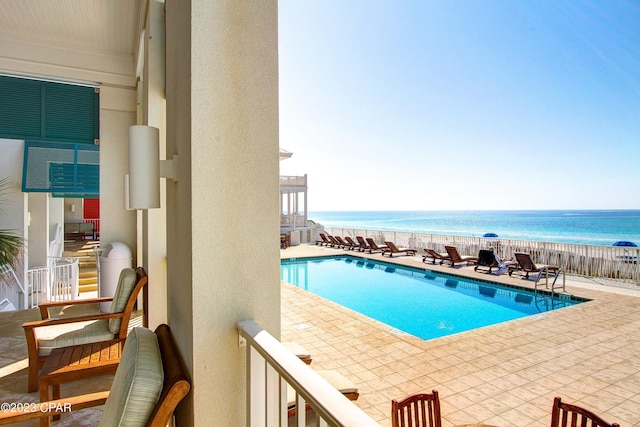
(10, 247)
(5, 187)
(10, 244)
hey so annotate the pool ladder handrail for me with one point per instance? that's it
(546, 272)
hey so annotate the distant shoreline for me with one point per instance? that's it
(594, 227)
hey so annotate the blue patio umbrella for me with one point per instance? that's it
(489, 235)
(625, 243)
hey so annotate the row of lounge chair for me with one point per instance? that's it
(486, 258)
(451, 256)
(362, 245)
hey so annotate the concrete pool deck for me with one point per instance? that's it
(506, 374)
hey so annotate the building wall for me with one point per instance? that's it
(74, 215)
(222, 223)
(38, 229)
(117, 113)
(116, 77)
(178, 196)
(56, 215)
(222, 214)
(13, 211)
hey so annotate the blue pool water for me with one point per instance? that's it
(422, 303)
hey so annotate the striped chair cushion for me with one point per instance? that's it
(137, 384)
(126, 283)
(50, 337)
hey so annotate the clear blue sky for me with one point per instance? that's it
(462, 104)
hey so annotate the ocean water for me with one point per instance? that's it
(592, 227)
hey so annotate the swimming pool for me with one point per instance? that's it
(422, 303)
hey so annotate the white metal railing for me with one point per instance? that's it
(271, 368)
(614, 262)
(11, 291)
(293, 180)
(96, 225)
(546, 273)
(293, 220)
(55, 282)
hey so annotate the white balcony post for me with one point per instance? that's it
(256, 387)
(272, 386)
(265, 354)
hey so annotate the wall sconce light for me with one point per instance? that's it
(73, 208)
(146, 168)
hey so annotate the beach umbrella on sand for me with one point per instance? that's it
(489, 235)
(625, 243)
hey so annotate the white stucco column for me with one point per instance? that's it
(56, 215)
(117, 113)
(38, 244)
(222, 214)
(154, 221)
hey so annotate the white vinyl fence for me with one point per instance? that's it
(613, 262)
(56, 282)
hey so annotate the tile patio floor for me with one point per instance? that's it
(505, 374)
(13, 373)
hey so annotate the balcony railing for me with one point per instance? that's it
(96, 225)
(293, 220)
(290, 181)
(271, 368)
(12, 294)
(55, 282)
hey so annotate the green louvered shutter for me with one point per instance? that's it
(70, 113)
(20, 108)
(48, 111)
